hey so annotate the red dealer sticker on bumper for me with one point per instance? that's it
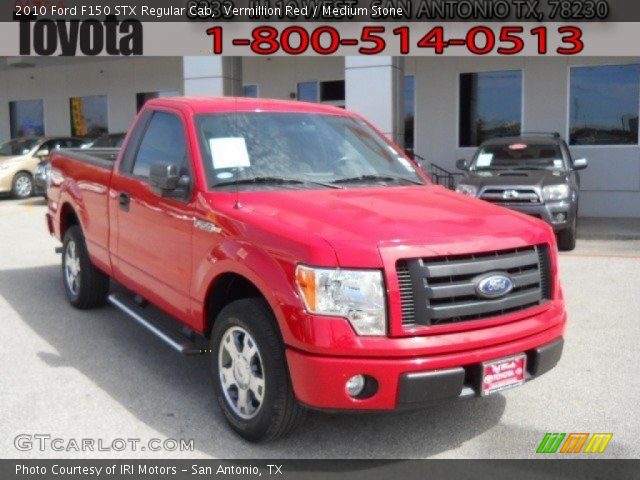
(502, 374)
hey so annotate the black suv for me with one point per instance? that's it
(533, 174)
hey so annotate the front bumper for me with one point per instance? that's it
(405, 383)
(430, 388)
(545, 211)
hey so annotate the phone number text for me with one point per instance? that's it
(376, 39)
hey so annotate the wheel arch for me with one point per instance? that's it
(228, 287)
(68, 218)
(22, 170)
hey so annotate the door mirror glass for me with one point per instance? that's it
(166, 180)
(580, 163)
(164, 177)
(462, 164)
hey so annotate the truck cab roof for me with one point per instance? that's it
(203, 105)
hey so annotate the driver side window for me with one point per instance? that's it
(163, 142)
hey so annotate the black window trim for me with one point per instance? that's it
(131, 149)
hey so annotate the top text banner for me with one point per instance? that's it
(329, 10)
(305, 38)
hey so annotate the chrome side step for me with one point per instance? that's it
(179, 344)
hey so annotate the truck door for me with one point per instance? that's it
(153, 232)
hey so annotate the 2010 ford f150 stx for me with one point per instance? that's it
(315, 263)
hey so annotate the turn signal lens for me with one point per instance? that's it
(306, 280)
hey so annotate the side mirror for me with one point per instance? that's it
(166, 179)
(580, 164)
(42, 153)
(462, 164)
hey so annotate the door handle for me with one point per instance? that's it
(124, 200)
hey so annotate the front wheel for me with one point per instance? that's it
(250, 376)
(85, 285)
(22, 186)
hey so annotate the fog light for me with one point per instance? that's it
(355, 385)
(561, 217)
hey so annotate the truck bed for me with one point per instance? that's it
(83, 177)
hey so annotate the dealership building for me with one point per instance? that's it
(440, 108)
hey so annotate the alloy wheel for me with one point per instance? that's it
(24, 186)
(241, 372)
(72, 267)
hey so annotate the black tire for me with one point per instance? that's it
(92, 286)
(279, 412)
(567, 237)
(23, 185)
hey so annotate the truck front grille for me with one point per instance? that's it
(436, 291)
(510, 195)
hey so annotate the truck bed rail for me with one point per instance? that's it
(100, 157)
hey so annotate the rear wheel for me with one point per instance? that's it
(567, 237)
(85, 285)
(22, 186)
(250, 375)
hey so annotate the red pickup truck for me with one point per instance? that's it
(313, 261)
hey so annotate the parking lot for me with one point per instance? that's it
(74, 374)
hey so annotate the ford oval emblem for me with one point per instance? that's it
(494, 285)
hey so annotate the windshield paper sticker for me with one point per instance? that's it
(229, 152)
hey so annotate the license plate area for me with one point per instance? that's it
(502, 374)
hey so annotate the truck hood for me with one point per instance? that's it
(527, 178)
(361, 223)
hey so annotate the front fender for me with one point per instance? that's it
(272, 276)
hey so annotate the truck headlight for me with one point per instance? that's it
(357, 295)
(555, 192)
(467, 189)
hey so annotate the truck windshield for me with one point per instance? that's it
(17, 147)
(295, 150)
(519, 156)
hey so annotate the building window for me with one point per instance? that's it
(250, 91)
(89, 116)
(409, 113)
(603, 105)
(490, 106)
(308, 92)
(142, 98)
(331, 92)
(26, 118)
